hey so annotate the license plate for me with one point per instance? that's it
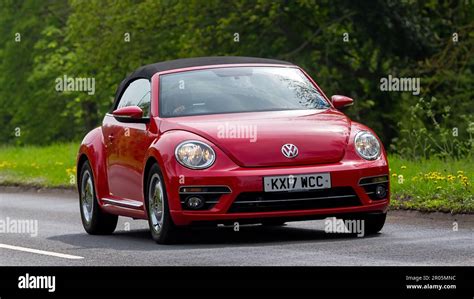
(297, 182)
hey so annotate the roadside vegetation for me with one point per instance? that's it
(37, 166)
(425, 185)
(432, 185)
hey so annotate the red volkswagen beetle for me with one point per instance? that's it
(228, 139)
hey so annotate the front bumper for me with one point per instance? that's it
(250, 180)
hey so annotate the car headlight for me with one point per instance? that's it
(367, 145)
(195, 154)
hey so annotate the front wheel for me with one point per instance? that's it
(373, 223)
(94, 220)
(162, 228)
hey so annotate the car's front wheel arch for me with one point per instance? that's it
(94, 220)
(146, 171)
(80, 163)
(167, 229)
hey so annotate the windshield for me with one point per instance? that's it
(237, 89)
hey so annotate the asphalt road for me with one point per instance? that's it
(407, 239)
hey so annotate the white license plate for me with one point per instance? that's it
(297, 182)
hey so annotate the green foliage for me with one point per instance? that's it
(107, 39)
(441, 123)
(426, 133)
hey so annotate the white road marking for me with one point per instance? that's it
(50, 253)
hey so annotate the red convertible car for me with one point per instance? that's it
(219, 140)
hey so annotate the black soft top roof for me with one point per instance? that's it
(147, 71)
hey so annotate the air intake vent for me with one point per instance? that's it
(283, 201)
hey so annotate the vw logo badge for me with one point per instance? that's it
(289, 150)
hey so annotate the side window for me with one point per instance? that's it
(137, 94)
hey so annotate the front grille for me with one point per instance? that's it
(283, 201)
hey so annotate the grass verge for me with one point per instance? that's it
(50, 166)
(430, 185)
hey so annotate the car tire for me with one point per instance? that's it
(94, 220)
(162, 228)
(373, 223)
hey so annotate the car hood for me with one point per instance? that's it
(256, 139)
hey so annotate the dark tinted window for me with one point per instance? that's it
(237, 89)
(137, 94)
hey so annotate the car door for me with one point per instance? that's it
(127, 143)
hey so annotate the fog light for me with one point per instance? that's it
(194, 202)
(380, 191)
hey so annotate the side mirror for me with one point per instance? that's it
(341, 102)
(128, 114)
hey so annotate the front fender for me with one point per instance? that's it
(92, 148)
(175, 175)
